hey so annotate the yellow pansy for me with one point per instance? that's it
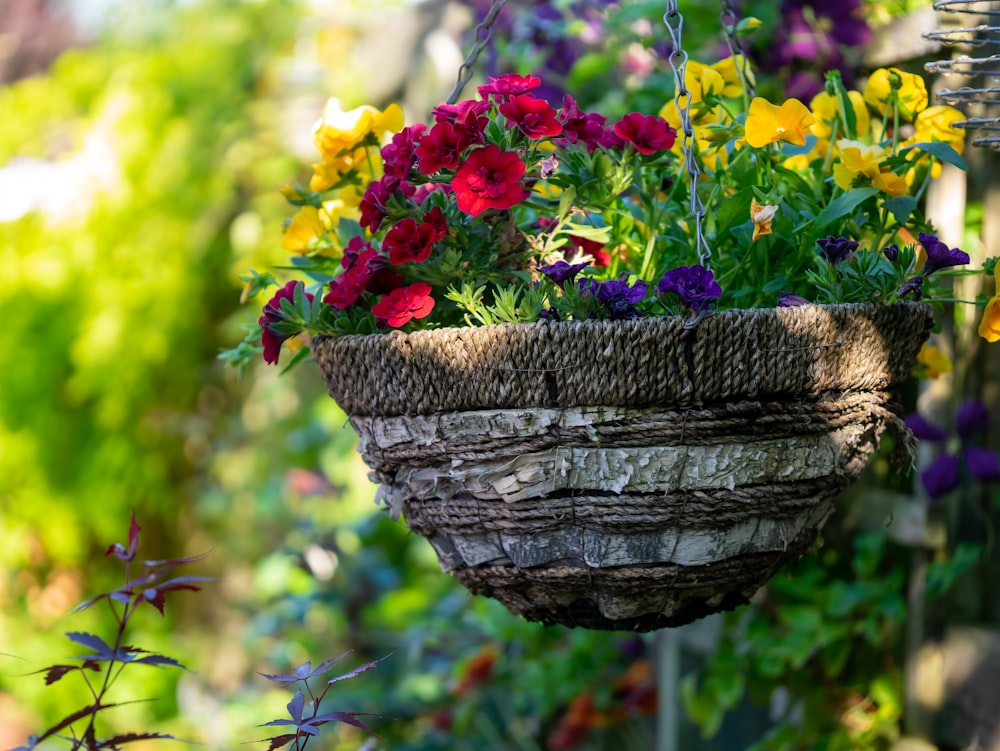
(337, 131)
(729, 69)
(934, 124)
(932, 361)
(911, 92)
(826, 110)
(768, 123)
(989, 327)
(702, 81)
(304, 231)
(864, 160)
(762, 215)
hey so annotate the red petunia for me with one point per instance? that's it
(275, 327)
(409, 242)
(399, 156)
(585, 248)
(440, 148)
(450, 113)
(401, 306)
(489, 179)
(508, 85)
(648, 133)
(579, 125)
(533, 117)
(435, 218)
(375, 202)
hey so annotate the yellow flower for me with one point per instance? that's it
(304, 231)
(911, 92)
(864, 160)
(762, 216)
(768, 123)
(989, 327)
(826, 110)
(702, 81)
(729, 69)
(934, 124)
(337, 131)
(933, 361)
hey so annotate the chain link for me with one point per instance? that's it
(678, 64)
(729, 19)
(482, 36)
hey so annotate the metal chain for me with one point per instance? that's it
(678, 64)
(482, 36)
(730, 18)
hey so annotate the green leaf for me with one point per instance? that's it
(566, 201)
(834, 83)
(942, 575)
(942, 151)
(842, 206)
(901, 207)
(589, 232)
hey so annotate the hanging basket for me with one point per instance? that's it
(625, 475)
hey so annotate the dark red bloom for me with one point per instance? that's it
(508, 85)
(584, 247)
(470, 129)
(579, 125)
(441, 148)
(435, 218)
(275, 327)
(364, 271)
(489, 179)
(400, 155)
(648, 133)
(533, 117)
(374, 204)
(409, 242)
(401, 306)
(450, 113)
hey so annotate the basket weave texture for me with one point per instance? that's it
(625, 475)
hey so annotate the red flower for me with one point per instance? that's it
(435, 218)
(402, 305)
(489, 179)
(375, 202)
(508, 85)
(451, 113)
(441, 148)
(579, 125)
(648, 133)
(409, 242)
(275, 328)
(533, 117)
(592, 248)
(470, 129)
(399, 156)
(365, 270)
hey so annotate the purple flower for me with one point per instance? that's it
(914, 284)
(561, 272)
(694, 285)
(836, 249)
(943, 474)
(275, 327)
(617, 296)
(939, 255)
(788, 300)
(891, 252)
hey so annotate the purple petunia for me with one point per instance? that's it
(694, 285)
(943, 474)
(561, 272)
(836, 249)
(939, 255)
(788, 300)
(617, 296)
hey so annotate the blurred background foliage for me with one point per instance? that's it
(139, 176)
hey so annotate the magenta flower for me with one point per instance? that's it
(533, 117)
(695, 286)
(441, 148)
(375, 202)
(508, 85)
(275, 325)
(451, 113)
(489, 179)
(579, 126)
(943, 474)
(648, 133)
(399, 156)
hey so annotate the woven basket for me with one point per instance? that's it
(624, 474)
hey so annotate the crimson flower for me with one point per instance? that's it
(508, 85)
(648, 133)
(275, 326)
(399, 156)
(533, 117)
(592, 248)
(451, 113)
(402, 305)
(409, 242)
(441, 148)
(579, 125)
(435, 218)
(375, 202)
(489, 179)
